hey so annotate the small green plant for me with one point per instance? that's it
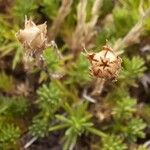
(58, 83)
(22, 8)
(13, 107)
(126, 123)
(49, 101)
(39, 126)
(113, 142)
(77, 122)
(124, 108)
(50, 97)
(78, 73)
(53, 62)
(132, 69)
(122, 16)
(6, 82)
(50, 8)
(134, 129)
(9, 134)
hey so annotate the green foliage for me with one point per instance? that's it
(132, 69)
(123, 18)
(22, 8)
(134, 129)
(124, 108)
(141, 147)
(117, 93)
(89, 9)
(39, 127)
(18, 106)
(49, 100)
(6, 82)
(77, 122)
(50, 8)
(78, 119)
(8, 133)
(8, 41)
(5, 36)
(126, 123)
(107, 32)
(147, 26)
(107, 7)
(70, 22)
(52, 61)
(49, 97)
(123, 122)
(79, 72)
(18, 56)
(112, 142)
(11, 109)
(15, 107)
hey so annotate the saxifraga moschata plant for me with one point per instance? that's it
(57, 112)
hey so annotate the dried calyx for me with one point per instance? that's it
(104, 64)
(33, 37)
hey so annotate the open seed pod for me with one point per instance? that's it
(105, 64)
(33, 37)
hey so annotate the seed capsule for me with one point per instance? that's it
(33, 37)
(105, 64)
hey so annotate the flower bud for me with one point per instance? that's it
(105, 64)
(33, 37)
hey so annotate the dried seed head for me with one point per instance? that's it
(105, 64)
(33, 37)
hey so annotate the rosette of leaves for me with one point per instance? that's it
(132, 69)
(39, 126)
(113, 142)
(134, 129)
(124, 108)
(77, 121)
(9, 134)
(126, 123)
(49, 97)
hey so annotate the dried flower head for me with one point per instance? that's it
(104, 64)
(33, 37)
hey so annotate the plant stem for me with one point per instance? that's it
(57, 127)
(97, 132)
(98, 87)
